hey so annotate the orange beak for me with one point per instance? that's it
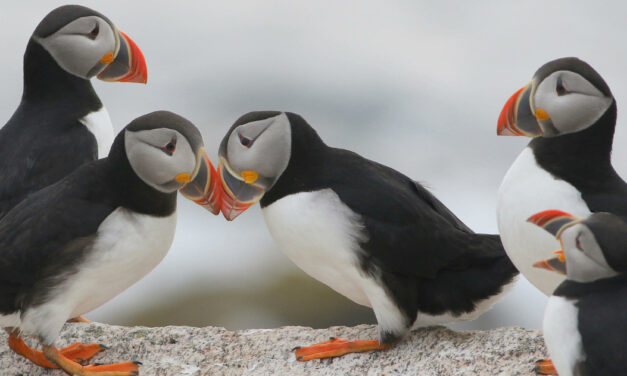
(517, 118)
(129, 64)
(204, 186)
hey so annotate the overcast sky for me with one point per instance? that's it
(417, 86)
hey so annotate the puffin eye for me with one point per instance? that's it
(245, 141)
(94, 32)
(170, 147)
(578, 243)
(559, 88)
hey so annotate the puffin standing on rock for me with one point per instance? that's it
(585, 322)
(364, 229)
(570, 112)
(72, 246)
(60, 122)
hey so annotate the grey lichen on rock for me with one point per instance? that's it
(177, 350)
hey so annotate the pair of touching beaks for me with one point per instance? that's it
(554, 222)
(218, 189)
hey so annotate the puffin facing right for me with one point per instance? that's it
(367, 231)
(585, 322)
(74, 245)
(570, 112)
(60, 122)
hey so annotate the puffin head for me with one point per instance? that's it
(253, 155)
(166, 152)
(85, 43)
(592, 248)
(565, 96)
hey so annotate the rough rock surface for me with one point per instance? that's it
(217, 351)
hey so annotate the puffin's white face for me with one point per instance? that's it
(83, 47)
(252, 159)
(163, 158)
(566, 102)
(584, 258)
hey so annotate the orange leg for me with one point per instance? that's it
(77, 351)
(334, 348)
(73, 368)
(79, 319)
(545, 367)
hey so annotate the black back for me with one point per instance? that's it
(602, 323)
(426, 257)
(44, 141)
(45, 237)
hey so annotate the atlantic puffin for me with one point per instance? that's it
(365, 230)
(74, 245)
(60, 123)
(585, 322)
(570, 113)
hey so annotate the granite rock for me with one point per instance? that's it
(176, 350)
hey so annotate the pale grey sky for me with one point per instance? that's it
(415, 85)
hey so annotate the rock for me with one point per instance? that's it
(178, 350)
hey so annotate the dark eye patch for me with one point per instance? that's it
(170, 147)
(559, 87)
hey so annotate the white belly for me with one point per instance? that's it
(319, 234)
(129, 246)
(528, 189)
(99, 124)
(561, 334)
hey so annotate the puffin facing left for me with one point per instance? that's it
(61, 123)
(72, 246)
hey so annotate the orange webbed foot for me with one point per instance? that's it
(545, 367)
(71, 367)
(335, 347)
(79, 319)
(77, 352)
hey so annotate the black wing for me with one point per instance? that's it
(45, 237)
(38, 151)
(409, 230)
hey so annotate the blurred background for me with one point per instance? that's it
(415, 85)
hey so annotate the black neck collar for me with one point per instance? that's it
(130, 191)
(47, 84)
(581, 158)
(307, 158)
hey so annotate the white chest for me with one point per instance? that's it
(528, 189)
(128, 246)
(561, 334)
(99, 124)
(319, 234)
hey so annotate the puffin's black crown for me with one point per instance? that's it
(62, 16)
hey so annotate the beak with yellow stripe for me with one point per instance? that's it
(554, 222)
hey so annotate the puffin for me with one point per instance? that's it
(585, 321)
(60, 122)
(364, 229)
(74, 245)
(570, 113)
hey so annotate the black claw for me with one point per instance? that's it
(137, 362)
(296, 348)
(98, 364)
(104, 347)
(331, 338)
(300, 357)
